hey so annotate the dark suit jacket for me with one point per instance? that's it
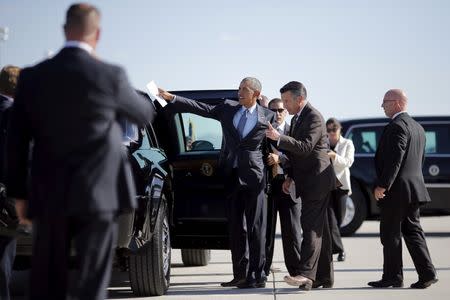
(306, 149)
(68, 106)
(5, 108)
(249, 151)
(399, 159)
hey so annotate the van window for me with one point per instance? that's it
(366, 139)
(200, 133)
(437, 138)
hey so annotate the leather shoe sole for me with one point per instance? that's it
(251, 285)
(386, 283)
(305, 284)
(423, 284)
(233, 282)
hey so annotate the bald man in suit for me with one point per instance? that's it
(400, 190)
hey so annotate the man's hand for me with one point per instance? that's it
(273, 159)
(378, 193)
(272, 133)
(332, 154)
(165, 95)
(286, 184)
(21, 211)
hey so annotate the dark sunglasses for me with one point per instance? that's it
(332, 129)
(280, 110)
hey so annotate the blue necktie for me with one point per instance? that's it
(241, 124)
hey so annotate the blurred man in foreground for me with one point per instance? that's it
(69, 107)
(8, 83)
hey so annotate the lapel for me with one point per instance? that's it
(233, 110)
(287, 128)
(300, 119)
(260, 122)
(339, 145)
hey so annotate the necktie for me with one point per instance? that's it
(241, 124)
(293, 121)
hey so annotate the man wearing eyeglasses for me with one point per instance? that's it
(278, 201)
(399, 191)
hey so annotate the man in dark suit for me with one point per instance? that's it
(310, 169)
(243, 127)
(278, 201)
(69, 106)
(400, 190)
(8, 82)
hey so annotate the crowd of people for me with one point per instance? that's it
(67, 171)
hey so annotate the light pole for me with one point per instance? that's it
(4, 32)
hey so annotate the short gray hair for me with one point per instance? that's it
(254, 83)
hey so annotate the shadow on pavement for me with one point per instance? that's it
(376, 234)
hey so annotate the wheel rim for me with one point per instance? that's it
(349, 212)
(166, 246)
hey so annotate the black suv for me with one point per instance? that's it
(365, 134)
(181, 202)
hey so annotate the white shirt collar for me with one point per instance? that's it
(282, 126)
(7, 97)
(250, 109)
(298, 114)
(77, 44)
(400, 112)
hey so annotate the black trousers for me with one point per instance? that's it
(94, 237)
(397, 219)
(247, 226)
(336, 213)
(316, 261)
(7, 254)
(291, 231)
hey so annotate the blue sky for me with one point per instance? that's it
(347, 53)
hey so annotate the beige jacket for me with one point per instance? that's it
(345, 155)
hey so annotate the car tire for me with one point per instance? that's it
(195, 257)
(149, 266)
(356, 211)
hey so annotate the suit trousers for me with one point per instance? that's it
(94, 237)
(336, 213)
(7, 254)
(247, 226)
(397, 219)
(291, 231)
(316, 261)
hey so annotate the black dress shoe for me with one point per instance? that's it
(341, 256)
(233, 282)
(251, 284)
(383, 283)
(326, 284)
(423, 284)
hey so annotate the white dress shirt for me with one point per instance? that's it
(77, 44)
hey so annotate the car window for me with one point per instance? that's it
(437, 138)
(365, 139)
(200, 133)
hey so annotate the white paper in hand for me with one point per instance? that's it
(152, 91)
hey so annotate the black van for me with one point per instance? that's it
(365, 134)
